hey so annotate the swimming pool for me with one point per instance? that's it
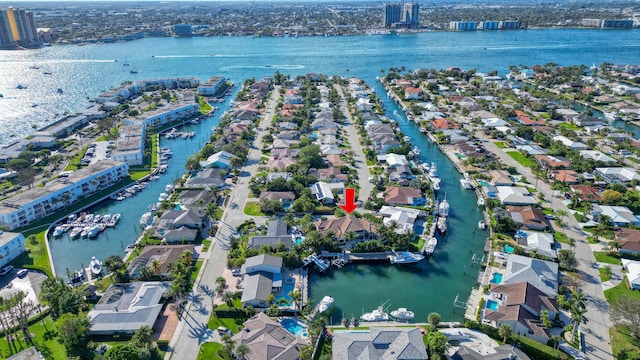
(288, 287)
(483, 183)
(492, 305)
(496, 278)
(509, 249)
(299, 240)
(295, 327)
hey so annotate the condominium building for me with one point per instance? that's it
(169, 113)
(211, 86)
(40, 202)
(130, 144)
(463, 25)
(11, 246)
(183, 30)
(410, 15)
(17, 28)
(390, 14)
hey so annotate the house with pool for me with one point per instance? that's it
(263, 275)
(269, 339)
(519, 305)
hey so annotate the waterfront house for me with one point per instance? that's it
(393, 160)
(11, 246)
(124, 308)
(539, 273)
(531, 149)
(404, 196)
(382, 143)
(575, 145)
(442, 124)
(540, 242)
(618, 175)
(39, 202)
(176, 226)
(400, 174)
(262, 274)
(629, 240)
(528, 217)
(207, 178)
(520, 305)
(363, 229)
(163, 254)
(548, 162)
(515, 195)
(268, 339)
(379, 343)
(633, 272)
(619, 215)
(197, 200)
(277, 234)
(221, 160)
(500, 178)
(404, 218)
(411, 93)
(478, 351)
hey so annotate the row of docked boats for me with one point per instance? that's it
(174, 134)
(443, 213)
(129, 191)
(86, 225)
(379, 314)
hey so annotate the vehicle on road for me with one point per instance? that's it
(22, 273)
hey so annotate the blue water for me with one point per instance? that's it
(493, 305)
(496, 278)
(483, 183)
(294, 327)
(286, 289)
(509, 249)
(238, 58)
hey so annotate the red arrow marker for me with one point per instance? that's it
(350, 197)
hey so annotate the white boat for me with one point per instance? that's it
(325, 304)
(433, 170)
(163, 197)
(405, 257)
(480, 201)
(435, 184)
(442, 224)
(168, 188)
(116, 218)
(481, 225)
(443, 208)
(425, 167)
(402, 314)
(97, 218)
(406, 138)
(376, 315)
(95, 266)
(88, 218)
(466, 184)
(430, 246)
(59, 230)
(85, 231)
(106, 218)
(93, 232)
(416, 150)
(75, 233)
(144, 219)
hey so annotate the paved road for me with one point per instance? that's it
(361, 162)
(596, 331)
(192, 330)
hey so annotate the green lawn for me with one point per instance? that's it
(46, 335)
(253, 208)
(205, 245)
(560, 237)
(194, 273)
(205, 107)
(605, 274)
(36, 256)
(520, 158)
(209, 351)
(621, 289)
(74, 163)
(569, 126)
(621, 339)
(501, 144)
(137, 175)
(606, 258)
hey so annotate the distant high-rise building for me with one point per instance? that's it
(509, 24)
(463, 25)
(403, 15)
(390, 14)
(410, 15)
(183, 30)
(18, 28)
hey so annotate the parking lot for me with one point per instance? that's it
(29, 284)
(99, 150)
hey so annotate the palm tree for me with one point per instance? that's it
(155, 266)
(578, 299)
(227, 297)
(577, 318)
(614, 245)
(434, 320)
(228, 343)
(242, 351)
(142, 337)
(296, 296)
(505, 331)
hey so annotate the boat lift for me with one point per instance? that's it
(476, 261)
(459, 303)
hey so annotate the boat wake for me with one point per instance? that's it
(268, 66)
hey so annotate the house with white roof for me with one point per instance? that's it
(322, 192)
(531, 149)
(124, 308)
(633, 272)
(404, 218)
(221, 159)
(576, 145)
(619, 215)
(539, 273)
(597, 156)
(393, 160)
(618, 175)
(515, 195)
(494, 122)
(541, 242)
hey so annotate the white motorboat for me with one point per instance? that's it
(425, 167)
(325, 304)
(59, 230)
(405, 257)
(482, 225)
(85, 231)
(95, 266)
(93, 232)
(433, 170)
(466, 184)
(106, 218)
(442, 224)
(75, 233)
(115, 218)
(376, 315)
(480, 201)
(430, 246)
(97, 218)
(163, 197)
(406, 138)
(443, 208)
(402, 314)
(416, 150)
(435, 184)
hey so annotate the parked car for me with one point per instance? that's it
(6, 270)
(22, 273)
